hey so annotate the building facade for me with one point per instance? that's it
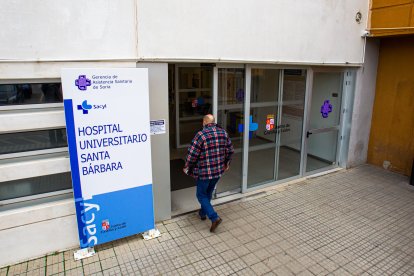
(293, 84)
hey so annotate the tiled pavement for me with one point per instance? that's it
(355, 222)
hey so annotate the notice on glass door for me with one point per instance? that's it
(157, 127)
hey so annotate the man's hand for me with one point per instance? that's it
(226, 167)
(185, 170)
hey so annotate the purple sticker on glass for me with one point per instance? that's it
(326, 108)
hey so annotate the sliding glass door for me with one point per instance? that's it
(276, 120)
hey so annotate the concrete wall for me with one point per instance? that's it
(160, 147)
(42, 30)
(310, 31)
(32, 232)
(363, 105)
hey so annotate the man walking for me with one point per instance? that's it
(207, 159)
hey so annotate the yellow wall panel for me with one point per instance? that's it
(395, 14)
(392, 17)
(388, 3)
(392, 130)
(412, 17)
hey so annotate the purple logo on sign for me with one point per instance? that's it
(326, 108)
(82, 82)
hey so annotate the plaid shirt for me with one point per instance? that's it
(209, 152)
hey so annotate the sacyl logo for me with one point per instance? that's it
(82, 82)
(252, 127)
(85, 107)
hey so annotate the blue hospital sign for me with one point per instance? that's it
(108, 130)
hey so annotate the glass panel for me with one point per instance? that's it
(33, 140)
(195, 100)
(321, 150)
(17, 94)
(35, 186)
(262, 142)
(326, 100)
(265, 85)
(230, 116)
(291, 123)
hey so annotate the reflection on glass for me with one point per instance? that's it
(35, 186)
(195, 100)
(32, 140)
(18, 94)
(291, 123)
(264, 85)
(230, 117)
(321, 150)
(262, 141)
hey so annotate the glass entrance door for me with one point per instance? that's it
(230, 108)
(322, 135)
(277, 104)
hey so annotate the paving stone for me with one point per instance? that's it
(202, 266)
(74, 272)
(129, 268)
(260, 268)
(187, 270)
(17, 269)
(246, 272)
(195, 256)
(295, 266)
(250, 259)
(92, 268)
(36, 264)
(283, 271)
(150, 270)
(109, 263)
(228, 255)
(237, 264)
(37, 272)
(55, 269)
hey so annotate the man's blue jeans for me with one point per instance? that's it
(205, 190)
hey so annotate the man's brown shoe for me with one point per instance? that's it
(214, 224)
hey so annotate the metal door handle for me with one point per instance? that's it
(308, 133)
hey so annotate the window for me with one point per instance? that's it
(32, 140)
(23, 139)
(30, 93)
(35, 186)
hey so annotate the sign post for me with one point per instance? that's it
(108, 130)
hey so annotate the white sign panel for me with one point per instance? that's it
(107, 115)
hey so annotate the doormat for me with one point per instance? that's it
(179, 180)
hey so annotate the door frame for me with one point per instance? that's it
(215, 114)
(339, 127)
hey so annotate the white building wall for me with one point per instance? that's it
(41, 30)
(283, 31)
(363, 106)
